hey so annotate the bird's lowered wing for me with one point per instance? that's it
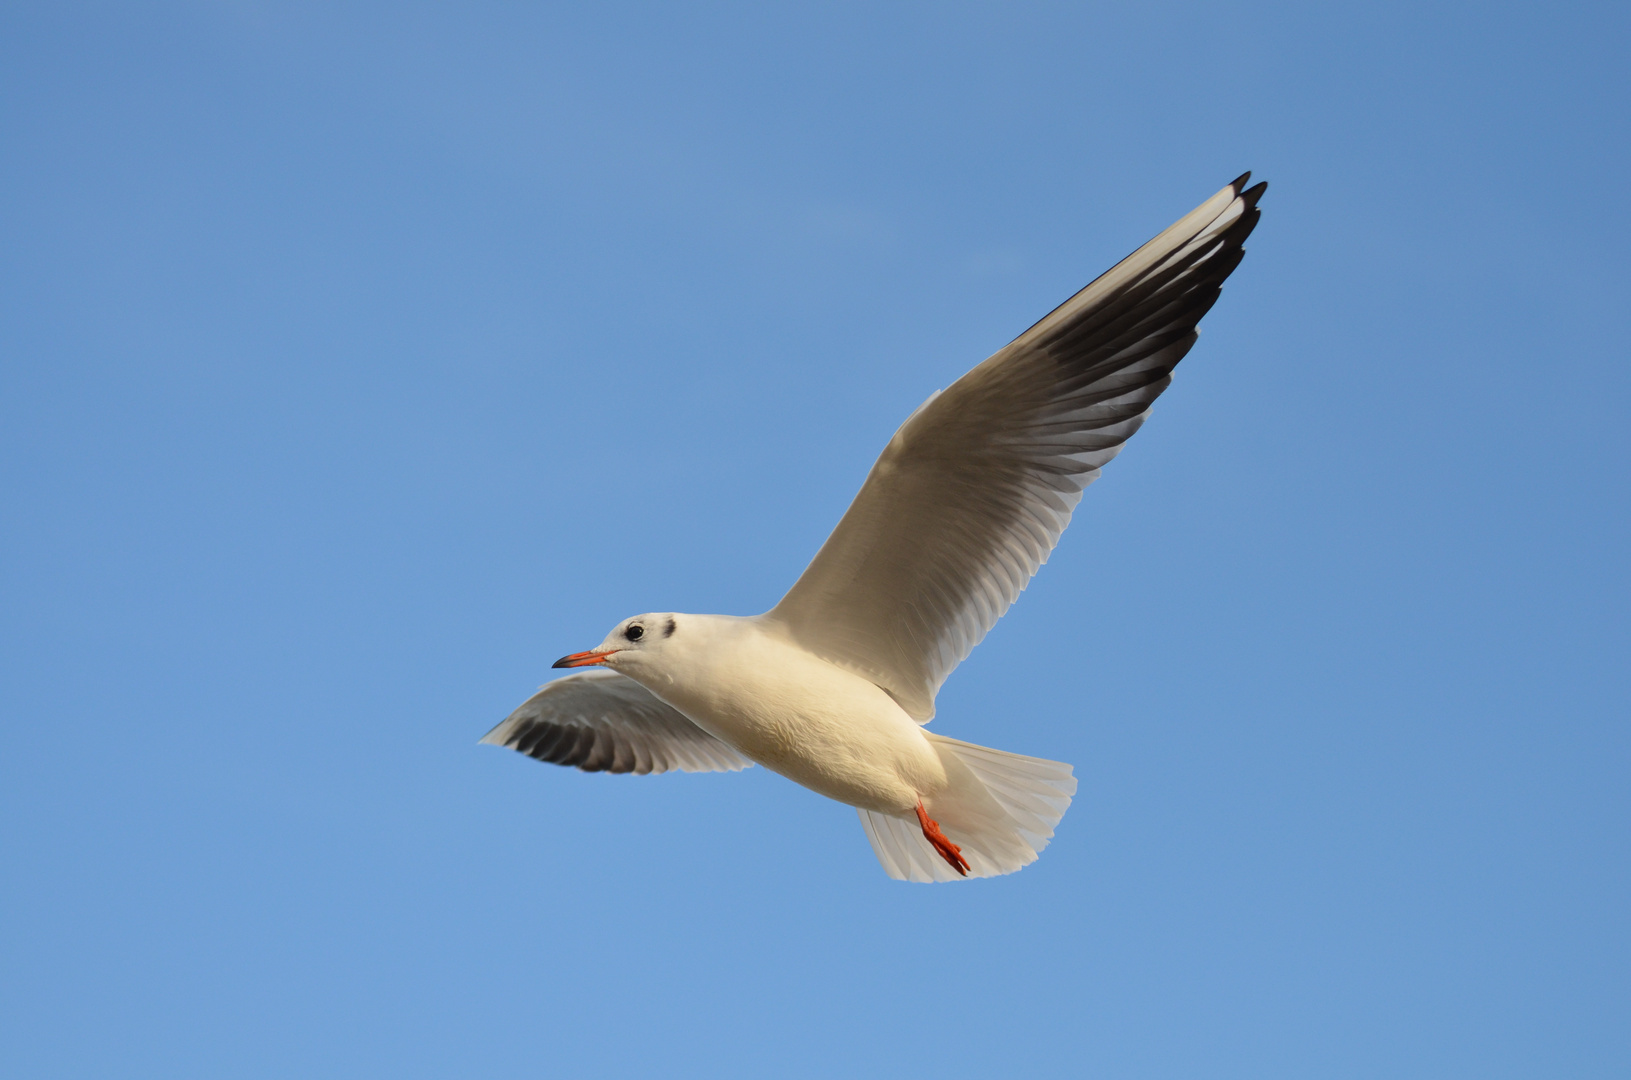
(601, 721)
(971, 494)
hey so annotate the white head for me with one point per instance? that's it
(633, 643)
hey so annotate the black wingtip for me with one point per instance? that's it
(1240, 181)
(1253, 193)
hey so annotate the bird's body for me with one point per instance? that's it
(831, 688)
(746, 683)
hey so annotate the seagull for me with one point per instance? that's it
(832, 687)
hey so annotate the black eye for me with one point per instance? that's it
(635, 632)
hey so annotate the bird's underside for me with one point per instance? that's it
(961, 509)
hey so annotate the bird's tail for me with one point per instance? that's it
(1000, 808)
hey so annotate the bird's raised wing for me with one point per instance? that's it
(971, 494)
(601, 721)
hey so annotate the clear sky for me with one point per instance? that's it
(358, 360)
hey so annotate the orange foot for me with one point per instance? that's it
(948, 850)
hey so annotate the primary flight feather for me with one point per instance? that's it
(831, 686)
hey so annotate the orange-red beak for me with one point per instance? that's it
(583, 659)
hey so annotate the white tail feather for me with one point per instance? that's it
(1000, 808)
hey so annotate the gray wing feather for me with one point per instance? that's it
(971, 494)
(600, 721)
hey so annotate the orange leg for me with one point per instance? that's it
(948, 850)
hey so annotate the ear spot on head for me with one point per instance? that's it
(668, 631)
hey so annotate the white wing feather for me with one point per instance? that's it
(971, 494)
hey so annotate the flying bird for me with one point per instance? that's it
(831, 687)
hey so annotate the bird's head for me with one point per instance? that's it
(633, 643)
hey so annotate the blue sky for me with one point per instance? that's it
(359, 360)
